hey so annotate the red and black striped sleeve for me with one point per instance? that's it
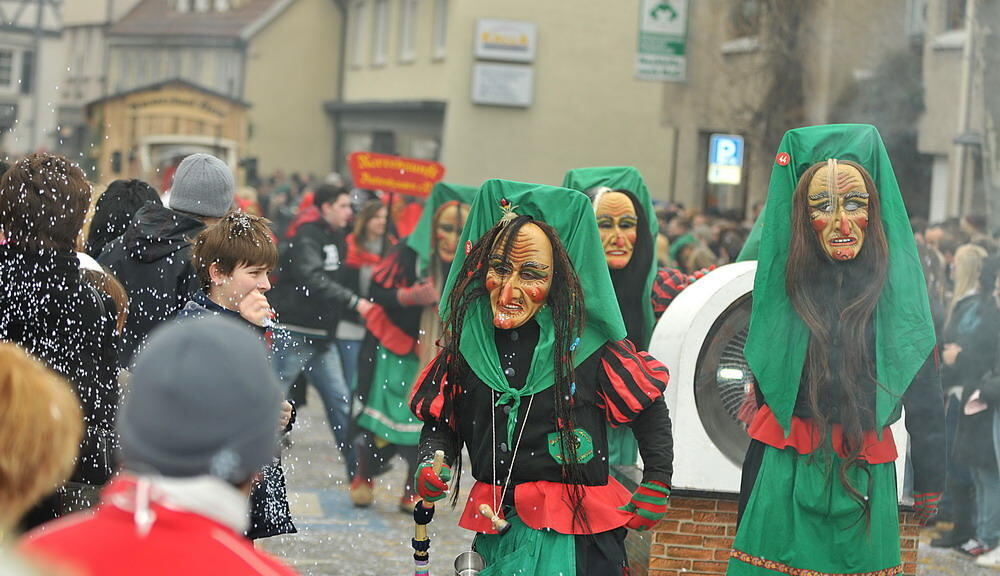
(388, 271)
(666, 286)
(431, 398)
(630, 382)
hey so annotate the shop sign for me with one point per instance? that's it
(388, 173)
(503, 85)
(506, 40)
(662, 50)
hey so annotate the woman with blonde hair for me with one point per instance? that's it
(40, 429)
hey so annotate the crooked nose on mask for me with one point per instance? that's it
(507, 293)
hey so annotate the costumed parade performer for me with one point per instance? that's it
(529, 375)
(402, 330)
(840, 338)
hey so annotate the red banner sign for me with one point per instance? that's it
(408, 176)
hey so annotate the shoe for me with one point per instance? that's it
(949, 539)
(991, 558)
(973, 548)
(407, 502)
(362, 491)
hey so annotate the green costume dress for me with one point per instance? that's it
(622, 448)
(386, 412)
(799, 519)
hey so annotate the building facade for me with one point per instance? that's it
(31, 64)
(517, 89)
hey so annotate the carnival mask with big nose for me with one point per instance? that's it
(519, 282)
(838, 209)
(448, 223)
(617, 222)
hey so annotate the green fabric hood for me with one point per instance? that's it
(625, 178)
(778, 338)
(420, 239)
(572, 216)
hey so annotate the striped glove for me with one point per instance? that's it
(648, 505)
(431, 487)
(925, 504)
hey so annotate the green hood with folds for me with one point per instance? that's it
(778, 338)
(625, 178)
(420, 239)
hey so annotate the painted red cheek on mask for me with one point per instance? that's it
(537, 295)
(491, 283)
(820, 224)
(631, 237)
(862, 222)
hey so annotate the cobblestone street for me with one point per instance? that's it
(337, 539)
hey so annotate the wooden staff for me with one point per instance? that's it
(423, 513)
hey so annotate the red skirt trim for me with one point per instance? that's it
(546, 505)
(804, 437)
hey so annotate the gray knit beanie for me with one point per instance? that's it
(202, 400)
(204, 186)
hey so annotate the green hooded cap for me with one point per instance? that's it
(778, 338)
(625, 178)
(571, 214)
(420, 238)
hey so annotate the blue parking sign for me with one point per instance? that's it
(726, 150)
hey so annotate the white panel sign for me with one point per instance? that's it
(662, 50)
(506, 40)
(503, 85)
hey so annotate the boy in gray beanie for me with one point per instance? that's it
(199, 421)
(152, 259)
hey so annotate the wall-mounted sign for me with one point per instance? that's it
(388, 173)
(725, 159)
(506, 40)
(662, 50)
(503, 85)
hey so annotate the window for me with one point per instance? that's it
(357, 33)
(440, 29)
(380, 36)
(954, 17)
(744, 18)
(27, 71)
(407, 30)
(6, 67)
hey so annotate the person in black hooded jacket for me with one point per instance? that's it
(153, 258)
(50, 312)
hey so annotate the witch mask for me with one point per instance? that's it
(838, 209)
(448, 223)
(617, 223)
(519, 277)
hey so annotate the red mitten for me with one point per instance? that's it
(431, 487)
(925, 504)
(648, 505)
(420, 294)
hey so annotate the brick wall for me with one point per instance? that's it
(697, 533)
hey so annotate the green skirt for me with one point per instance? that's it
(524, 551)
(387, 411)
(800, 520)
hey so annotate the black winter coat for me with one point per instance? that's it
(314, 285)
(46, 309)
(153, 261)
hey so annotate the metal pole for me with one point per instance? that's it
(36, 77)
(961, 199)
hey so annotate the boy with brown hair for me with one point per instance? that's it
(233, 259)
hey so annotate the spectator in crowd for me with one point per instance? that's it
(153, 258)
(40, 429)
(233, 259)
(115, 210)
(312, 295)
(47, 309)
(200, 421)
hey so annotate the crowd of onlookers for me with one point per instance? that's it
(91, 282)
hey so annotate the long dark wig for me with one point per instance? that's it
(630, 281)
(568, 317)
(837, 300)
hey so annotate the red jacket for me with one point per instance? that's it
(108, 542)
